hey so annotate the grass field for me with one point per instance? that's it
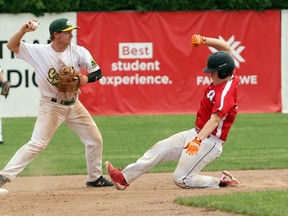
(256, 141)
(262, 203)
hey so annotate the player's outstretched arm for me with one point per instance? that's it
(218, 44)
(14, 42)
(197, 40)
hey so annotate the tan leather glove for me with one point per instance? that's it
(70, 79)
(5, 88)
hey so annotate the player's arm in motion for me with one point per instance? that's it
(197, 40)
(14, 42)
(218, 44)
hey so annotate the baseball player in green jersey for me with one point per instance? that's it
(57, 107)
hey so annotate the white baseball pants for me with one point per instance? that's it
(51, 116)
(189, 166)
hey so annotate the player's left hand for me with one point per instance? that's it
(69, 79)
(197, 40)
(193, 146)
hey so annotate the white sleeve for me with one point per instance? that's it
(89, 63)
(24, 53)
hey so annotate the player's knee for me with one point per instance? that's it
(92, 141)
(36, 147)
(179, 181)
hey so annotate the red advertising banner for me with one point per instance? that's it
(149, 66)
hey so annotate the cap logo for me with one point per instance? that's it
(222, 65)
(68, 23)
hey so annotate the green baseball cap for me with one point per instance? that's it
(61, 25)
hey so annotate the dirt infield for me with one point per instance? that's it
(151, 194)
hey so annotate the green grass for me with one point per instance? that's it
(251, 133)
(264, 203)
(256, 141)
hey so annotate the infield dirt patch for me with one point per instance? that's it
(151, 194)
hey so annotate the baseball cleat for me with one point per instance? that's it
(116, 176)
(3, 180)
(100, 182)
(226, 179)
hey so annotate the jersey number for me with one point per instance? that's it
(211, 95)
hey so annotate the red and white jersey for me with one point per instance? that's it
(221, 99)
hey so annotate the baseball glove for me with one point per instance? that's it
(69, 79)
(5, 88)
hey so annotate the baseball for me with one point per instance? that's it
(34, 24)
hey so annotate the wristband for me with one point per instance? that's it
(198, 139)
(204, 40)
(94, 76)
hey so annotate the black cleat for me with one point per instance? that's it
(100, 182)
(3, 180)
